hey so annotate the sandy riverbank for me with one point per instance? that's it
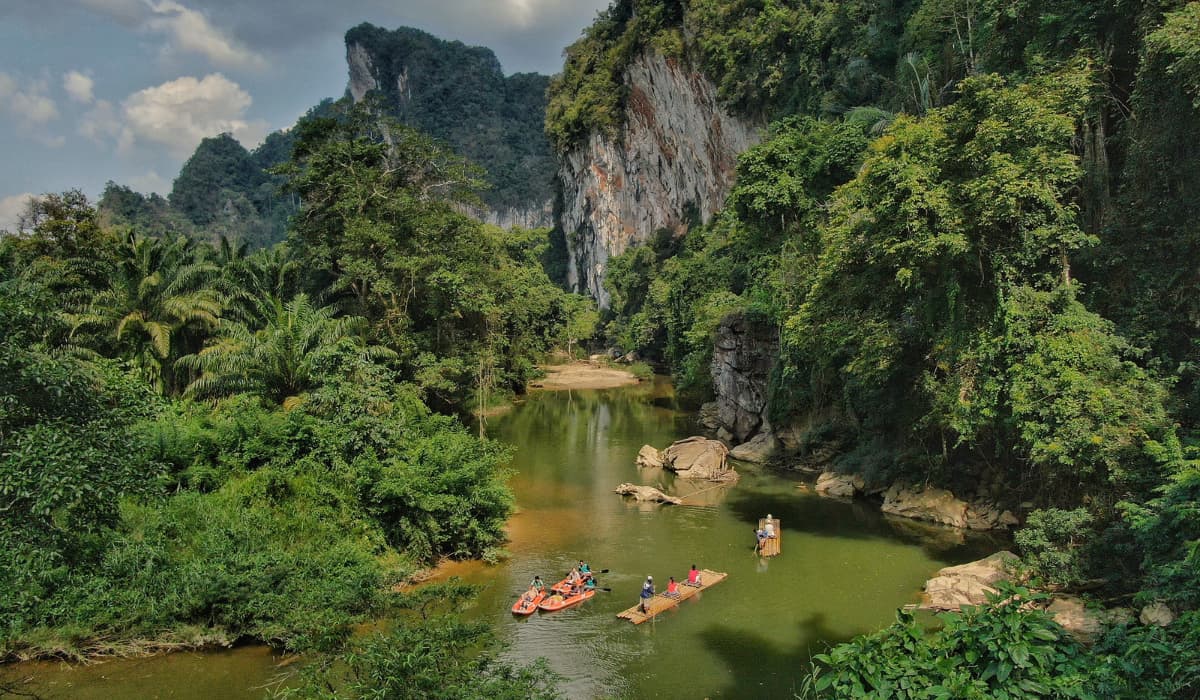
(583, 375)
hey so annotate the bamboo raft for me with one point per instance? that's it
(771, 546)
(661, 601)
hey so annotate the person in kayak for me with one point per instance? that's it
(672, 588)
(647, 594)
(693, 577)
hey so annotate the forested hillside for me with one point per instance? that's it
(203, 444)
(459, 94)
(971, 227)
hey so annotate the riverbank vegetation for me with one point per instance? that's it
(970, 228)
(203, 444)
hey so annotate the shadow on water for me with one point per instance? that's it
(747, 654)
(861, 520)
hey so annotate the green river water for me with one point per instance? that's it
(843, 571)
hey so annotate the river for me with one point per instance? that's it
(843, 571)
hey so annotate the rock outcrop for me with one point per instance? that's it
(1156, 614)
(741, 369)
(968, 584)
(1083, 622)
(646, 494)
(673, 162)
(649, 456)
(698, 458)
(839, 485)
(941, 506)
(757, 449)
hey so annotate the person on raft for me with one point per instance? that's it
(584, 570)
(761, 536)
(672, 589)
(769, 528)
(536, 584)
(647, 594)
(693, 577)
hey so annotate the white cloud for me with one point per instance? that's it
(181, 112)
(11, 208)
(100, 123)
(150, 182)
(193, 33)
(27, 102)
(187, 30)
(79, 86)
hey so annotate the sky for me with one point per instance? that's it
(123, 90)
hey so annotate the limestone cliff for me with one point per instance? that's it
(741, 369)
(671, 164)
(460, 95)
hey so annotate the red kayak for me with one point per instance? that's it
(558, 601)
(526, 607)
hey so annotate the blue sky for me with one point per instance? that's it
(123, 90)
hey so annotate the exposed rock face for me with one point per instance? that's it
(673, 160)
(1156, 614)
(839, 485)
(536, 215)
(741, 369)
(646, 493)
(707, 416)
(698, 458)
(941, 506)
(968, 584)
(649, 456)
(757, 449)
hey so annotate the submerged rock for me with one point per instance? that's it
(968, 584)
(698, 458)
(839, 485)
(646, 493)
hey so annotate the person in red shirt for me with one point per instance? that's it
(693, 577)
(672, 588)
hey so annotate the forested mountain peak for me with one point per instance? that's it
(459, 94)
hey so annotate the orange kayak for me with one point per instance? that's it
(558, 601)
(564, 587)
(526, 607)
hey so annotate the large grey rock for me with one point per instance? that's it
(646, 494)
(649, 456)
(968, 584)
(839, 485)
(757, 449)
(675, 157)
(698, 458)
(708, 417)
(743, 353)
(1156, 614)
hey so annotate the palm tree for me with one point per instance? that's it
(283, 360)
(159, 305)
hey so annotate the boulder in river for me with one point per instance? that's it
(646, 493)
(839, 485)
(968, 584)
(699, 458)
(757, 449)
(648, 456)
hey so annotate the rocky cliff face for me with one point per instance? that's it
(673, 163)
(460, 95)
(741, 369)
